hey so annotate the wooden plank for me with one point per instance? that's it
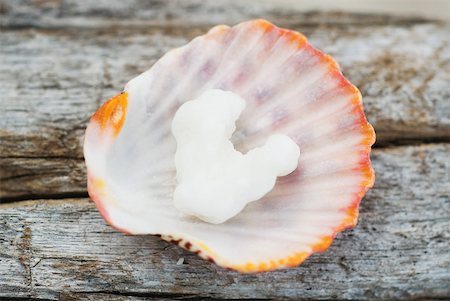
(56, 79)
(400, 248)
(133, 13)
(33, 178)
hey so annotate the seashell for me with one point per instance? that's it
(290, 88)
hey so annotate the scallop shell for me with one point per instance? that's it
(290, 88)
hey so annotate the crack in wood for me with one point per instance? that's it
(49, 196)
(413, 141)
(14, 298)
(26, 255)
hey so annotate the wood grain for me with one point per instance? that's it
(55, 80)
(400, 249)
(136, 13)
(61, 59)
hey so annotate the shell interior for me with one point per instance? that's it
(291, 88)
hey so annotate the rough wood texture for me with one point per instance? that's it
(57, 78)
(62, 249)
(136, 13)
(60, 59)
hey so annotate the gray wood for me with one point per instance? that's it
(400, 248)
(53, 80)
(59, 60)
(136, 13)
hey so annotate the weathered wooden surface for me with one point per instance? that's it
(136, 13)
(57, 78)
(60, 59)
(400, 248)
